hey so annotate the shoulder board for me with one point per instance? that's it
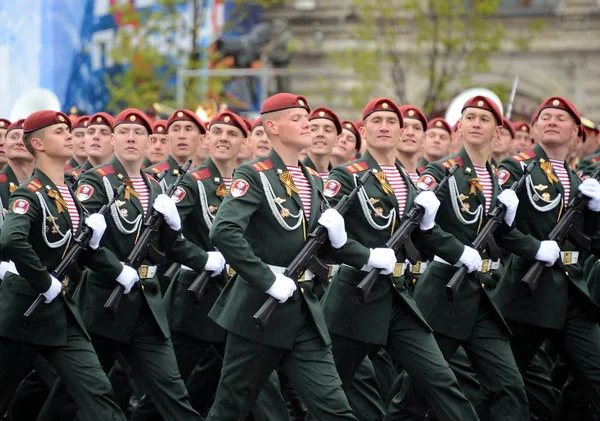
(201, 174)
(595, 159)
(357, 167)
(452, 161)
(158, 168)
(3, 177)
(106, 170)
(75, 172)
(261, 166)
(34, 185)
(523, 156)
(421, 169)
(313, 172)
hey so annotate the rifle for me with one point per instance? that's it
(564, 229)
(142, 247)
(301, 262)
(401, 239)
(485, 238)
(81, 243)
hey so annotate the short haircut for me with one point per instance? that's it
(27, 139)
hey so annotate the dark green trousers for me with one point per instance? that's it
(415, 349)
(309, 366)
(77, 365)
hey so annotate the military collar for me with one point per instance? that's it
(308, 163)
(87, 165)
(214, 171)
(10, 175)
(173, 166)
(73, 163)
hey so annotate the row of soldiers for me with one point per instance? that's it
(405, 352)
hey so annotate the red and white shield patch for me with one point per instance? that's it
(426, 182)
(84, 192)
(179, 194)
(20, 206)
(331, 188)
(239, 187)
(502, 177)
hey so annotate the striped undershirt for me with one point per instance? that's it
(563, 176)
(414, 177)
(142, 189)
(485, 179)
(397, 182)
(324, 176)
(227, 182)
(303, 186)
(71, 208)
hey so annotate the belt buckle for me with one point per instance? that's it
(567, 257)
(485, 265)
(329, 271)
(416, 268)
(398, 270)
(143, 271)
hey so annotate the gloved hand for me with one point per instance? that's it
(548, 252)
(282, 289)
(471, 259)
(334, 222)
(166, 206)
(4, 268)
(128, 278)
(384, 259)
(511, 201)
(53, 291)
(430, 203)
(98, 225)
(591, 188)
(215, 262)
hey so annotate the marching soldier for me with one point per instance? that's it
(347, 145)
(523, 139)
(408, 149)
(43, 218)
(78, 132)
(325, 127)
(158, 150)
(436, 144)
(20, 164)
(502, 145)
(279, 196)
(261, 145)
(4, 123)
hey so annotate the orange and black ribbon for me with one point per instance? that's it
(12, 187)
(129, 190)
(547, 167)
(387, 189)
(287, 180)
(222, 191)
(60, 203)
(474, 182)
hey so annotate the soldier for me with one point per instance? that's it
(78, 132)
(408, 149)
(436, 144)
(325, 127)
(158, 151)
(390, 319)
(590, 146)
(201, 154)
(523, 139)
(41, 223)
(4, 123)
(261, 145)
(347, 145)
(502, 145)
(279, 196)
(245, 153)
(20, 163)
(561, 308)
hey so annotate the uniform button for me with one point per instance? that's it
(483, 285)
(142, 287)
(330, 279)
(414, 281)
(64, 293)
(302, 290)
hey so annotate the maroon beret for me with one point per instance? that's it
(248, 123)
(410, 111)
(506, 124)
(327, 114)
(81, 122)
(16, 125)
(4, 123)
(45, 118)
(560, 104)
(284, 101)
(439, 123)
(231, 119)
(186, 115)
(351, 127)
(101, 119)
(522, 126)
(358, 124)
(133, 116)
(382, 104)
(159, 127)
(455, 127)
(484, 103)
(257, 122)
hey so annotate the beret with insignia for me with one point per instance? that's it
(560, 104)
(186, 115)
(284, 101)
(382, 104)
(231, 119)
(522, 126)
(101, 119)
(327, 114)
(256, 123)
(4, 123)
(484, 103)
(134, 116)
(506, 124)
(439, 123)
(81, 122)
(44, 118)
(410, 111)
(16, 125)
(351, 127)
(159, 127)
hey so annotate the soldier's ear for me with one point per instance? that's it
(271, 127)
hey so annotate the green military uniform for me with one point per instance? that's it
(198, 198)
(421, 165)
(262, 222)
(561, 309)
(8, 184)
(472, 318)
(146, 163)
(36, 234)
(172, 173)
(391, 318)
(71, 164)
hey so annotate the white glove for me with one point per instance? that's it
(4, 268)
(384, 259)
(334, 222)
(282, 289)
(166, 206)
(471, 259)
(215, 262)
(98, 225)
(548, 252)
(591, 188)
(128, 278)
(53, 291)
(511, 201)
(430, 204)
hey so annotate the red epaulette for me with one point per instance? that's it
(452, 161)
(522, 156)
(68, 167)
(34, 185)
(151, 178)
(421, 169)
(3, 178)
(75, 173)
(313, 172)
(202, 174)
(261, 166)
(158, 168)
(357, 167)
(106, 170)
(594, 160)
